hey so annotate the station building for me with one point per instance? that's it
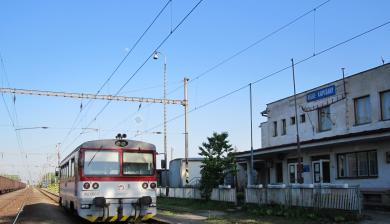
(344, 129)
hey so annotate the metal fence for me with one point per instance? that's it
(218, 194)
(344, 198)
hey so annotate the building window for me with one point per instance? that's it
(292, 120)
(303, 118)
(385, 105)
(275, 131)
(357, 164)
(279, 172)
(372, 163)
(284, 128)
(362, 110)
(324, 121)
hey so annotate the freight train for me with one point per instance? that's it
(110, 180)
(8, 185)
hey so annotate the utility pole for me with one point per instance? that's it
(165, 119)
(185, 104)
(58, 153)
(171, 153)
(251, 121)
(155, 57)
(299, 168)
(58, 159)
(346, 101)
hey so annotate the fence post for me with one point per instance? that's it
(359, 199)
(235, 196)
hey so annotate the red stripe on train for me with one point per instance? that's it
(119, 178)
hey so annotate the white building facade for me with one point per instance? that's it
(344, 130)
(177, 172)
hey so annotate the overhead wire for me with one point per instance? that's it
(239, 52)
(274, 73)
(14, 120)
(142, 65)
(236, 54)
(123, 121)
(117, 68)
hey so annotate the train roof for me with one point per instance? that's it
(110, 144)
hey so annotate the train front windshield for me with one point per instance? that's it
(98, 162)
(135, 163)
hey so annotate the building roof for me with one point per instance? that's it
(189, 159)
(326, 84)
(314, 141)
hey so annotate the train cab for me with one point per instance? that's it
(110, 180)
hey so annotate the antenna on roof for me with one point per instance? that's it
(345, 91)
(383, 61)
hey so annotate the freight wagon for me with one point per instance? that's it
(8, 185)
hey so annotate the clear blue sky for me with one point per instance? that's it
(74, 45)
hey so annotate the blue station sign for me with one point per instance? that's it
(321, 93)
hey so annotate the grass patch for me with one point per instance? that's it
(166, 212)
(223, 220)
(190, 205)
(272, 214)
(306, 215)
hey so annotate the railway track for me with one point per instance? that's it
(11, 204)
(54, 197)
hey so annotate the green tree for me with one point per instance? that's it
(218, 161)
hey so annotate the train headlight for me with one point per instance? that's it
(86, 185)
(145, 185)
(95, 185)
(153, 185)
(87, 206)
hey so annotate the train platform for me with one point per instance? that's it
(11, 203)
(33, 206)
(41, 209)
(30, 206)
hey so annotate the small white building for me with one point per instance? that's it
(177, 172)
(344, 129)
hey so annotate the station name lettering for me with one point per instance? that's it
(321, 93)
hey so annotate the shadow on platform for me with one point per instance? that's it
(48, 214)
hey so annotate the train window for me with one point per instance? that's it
(137, 163)
(67, 169)
(72, 167)
(98, 162)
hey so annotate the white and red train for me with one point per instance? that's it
(110, 180)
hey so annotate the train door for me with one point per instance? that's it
(292, 173)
